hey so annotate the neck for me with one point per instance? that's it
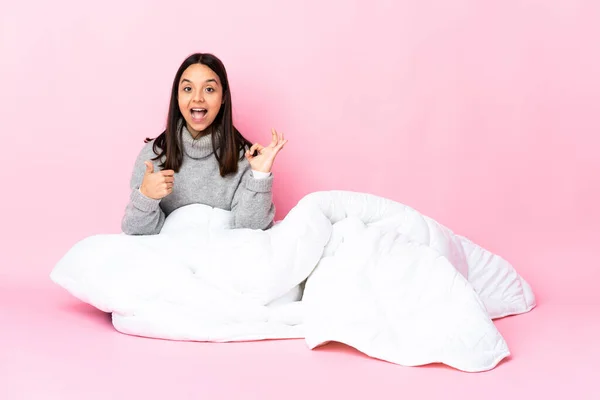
(199, 146)
(197, 134)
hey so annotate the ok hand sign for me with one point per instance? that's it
(263, 161)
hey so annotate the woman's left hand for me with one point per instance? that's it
(263, 161)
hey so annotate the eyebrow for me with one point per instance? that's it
(206, 81)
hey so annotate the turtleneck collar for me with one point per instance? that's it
(197, 148)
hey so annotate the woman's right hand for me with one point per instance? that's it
(157, 185)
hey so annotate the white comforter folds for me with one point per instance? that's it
(341, 266)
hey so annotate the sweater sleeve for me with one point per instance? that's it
(143, 215)
(252, 206)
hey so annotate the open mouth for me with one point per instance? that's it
(198, 113)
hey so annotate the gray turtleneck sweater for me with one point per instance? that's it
(247, 194)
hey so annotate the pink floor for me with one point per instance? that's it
(54, 347)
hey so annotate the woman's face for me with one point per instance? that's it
(200, 97)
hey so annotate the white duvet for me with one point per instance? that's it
(341, 266)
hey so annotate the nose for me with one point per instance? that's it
(198, 96)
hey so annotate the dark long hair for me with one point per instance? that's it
(230, 142)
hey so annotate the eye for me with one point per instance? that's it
(187, 89)
(210, 90)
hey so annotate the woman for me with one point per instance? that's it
(201, 157)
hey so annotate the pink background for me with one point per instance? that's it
(483, 115)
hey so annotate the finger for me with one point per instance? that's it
(149, 167)
(281, 144)
(256, 147)
(280, 141)
(274, 137)
(169, 179)
(168, 172)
